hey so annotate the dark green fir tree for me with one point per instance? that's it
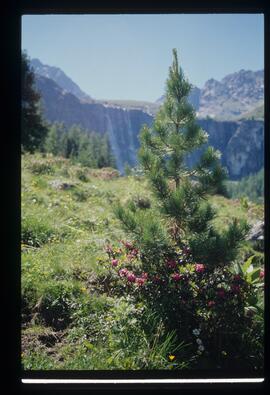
(33, 128)
(182, 192)
(186, 264)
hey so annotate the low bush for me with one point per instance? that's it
(41, 166)
(35, 232)
(207, 307)
(80, 194)
(59, 300)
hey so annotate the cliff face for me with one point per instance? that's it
(121, 125)
(240, 142)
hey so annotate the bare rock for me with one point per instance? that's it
(58, 184)
(256, 232)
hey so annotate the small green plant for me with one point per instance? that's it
(58, 301)
(127, 170)
(244, 202)
(35, 232)
(82, 175)
(142, 202)
(41, 167)
(37, 360)
(80, 194)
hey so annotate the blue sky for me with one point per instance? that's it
(128, 56)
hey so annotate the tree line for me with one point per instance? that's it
(251, 186)
(88, 148)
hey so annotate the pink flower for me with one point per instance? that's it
(109, 249)
(211, 303)
(144, 275)
(135, 252)
(128, 245)
(235, 288)
(237, 277)
(123, 272)
(140, 280)
(221, 293)
(176, 276)
(115, 262)
(262, 274)
(171, 263)
(131, 277)
(199, 267)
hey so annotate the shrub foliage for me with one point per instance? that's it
(180, 264)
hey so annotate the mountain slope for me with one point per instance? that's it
(57, 75)
(122, 126)
(235, 95)
(240, 142)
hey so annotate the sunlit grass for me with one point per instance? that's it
(65, 232)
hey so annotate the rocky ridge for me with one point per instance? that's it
(58, 76)
(236, 94)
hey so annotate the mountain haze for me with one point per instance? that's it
(57, 75)
(240, 139)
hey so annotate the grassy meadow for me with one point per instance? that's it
(71, 319)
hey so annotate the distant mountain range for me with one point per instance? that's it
(231, 111)
(58, 76)
(230, 98)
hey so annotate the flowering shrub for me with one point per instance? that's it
(190, 297)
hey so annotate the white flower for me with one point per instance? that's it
(196, 332)
(201, 348)
(199, 341)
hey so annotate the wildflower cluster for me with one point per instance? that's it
(185, 293)
(123, 260)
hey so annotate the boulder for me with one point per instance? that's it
(256, 232)
(59, 184)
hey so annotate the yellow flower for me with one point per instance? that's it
(172, 357)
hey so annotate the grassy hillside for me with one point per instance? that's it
(70, 318)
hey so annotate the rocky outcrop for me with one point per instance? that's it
(256, 232)
(245, 150)
(241, 144)
(235, 95)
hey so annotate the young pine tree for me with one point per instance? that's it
(181, 192)
(53, 139)
(184, 273)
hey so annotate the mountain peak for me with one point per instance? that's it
(235, 95)
(58, 76)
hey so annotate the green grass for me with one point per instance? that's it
(69, 321)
